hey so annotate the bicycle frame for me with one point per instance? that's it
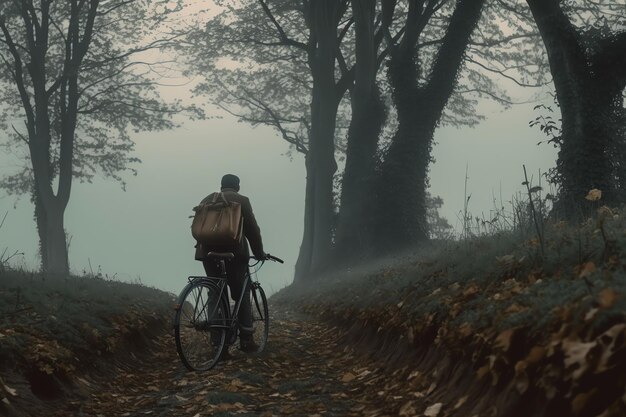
(221, 283)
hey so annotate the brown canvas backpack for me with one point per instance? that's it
(218, 222)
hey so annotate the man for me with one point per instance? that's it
(237, 268)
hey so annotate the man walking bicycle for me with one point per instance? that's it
(237, 268)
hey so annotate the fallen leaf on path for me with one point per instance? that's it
(228, 407)
(408, 409)
(576, 355)
(364, 373)
(471, 290)
(611, 340)
(522, 381)
(608, 297)
(515, 308)
(580, 401)
(503, 341)
(348, 377)
(591, 314)
(8, 389)
(587, 269)
(594, 195)
(433, 410)
(413, 374)
(536, 354)
(460, 402)
(432, 387)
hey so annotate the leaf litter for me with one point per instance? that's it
(304, 371)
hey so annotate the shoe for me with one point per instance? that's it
(225, 355)
(249, 346)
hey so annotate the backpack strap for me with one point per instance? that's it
(217, 196)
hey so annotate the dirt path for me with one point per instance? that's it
(303, 372)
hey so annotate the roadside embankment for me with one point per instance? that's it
(502, 326)
(58, 333)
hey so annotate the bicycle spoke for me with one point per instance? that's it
(197, 341)
(256, 303)
(260, 319)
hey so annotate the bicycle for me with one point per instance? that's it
(204, 324)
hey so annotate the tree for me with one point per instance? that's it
(72, 73)
(261, 69)
(438, 227)
(296, 47)
(588, 65)
(419, 102)
(493, 53)
(368, 118)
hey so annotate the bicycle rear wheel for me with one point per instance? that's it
(260, 316)
(200, 325)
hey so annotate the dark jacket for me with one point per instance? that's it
(251, 230)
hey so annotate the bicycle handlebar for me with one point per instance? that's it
(269, 258)
(275, 259)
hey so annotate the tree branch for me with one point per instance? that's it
(18, 75)
(502, 73)
(281, 33)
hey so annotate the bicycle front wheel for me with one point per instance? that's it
(200, 325)
(260, 316)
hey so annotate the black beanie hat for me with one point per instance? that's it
(230, 181)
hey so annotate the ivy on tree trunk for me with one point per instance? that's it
(589, 72)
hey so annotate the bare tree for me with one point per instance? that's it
(72, 73)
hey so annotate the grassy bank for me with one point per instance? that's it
(54, 329)
(540, 331)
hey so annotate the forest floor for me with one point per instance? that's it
(508, 325)
(304, 371)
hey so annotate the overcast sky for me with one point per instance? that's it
(144, 233)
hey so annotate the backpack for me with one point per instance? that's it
(217, 222)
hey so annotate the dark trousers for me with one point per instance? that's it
(236, 273)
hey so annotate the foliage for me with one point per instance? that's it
(117, 81)
(438, 227)
(248, 70)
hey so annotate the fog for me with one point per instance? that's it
(143, 233)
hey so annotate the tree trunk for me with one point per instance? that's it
(589, 92)
(401, 209)
(354, 231)
(54, 244)
(321, 168)
(52, 238)
(321, 165)
(303, 264)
